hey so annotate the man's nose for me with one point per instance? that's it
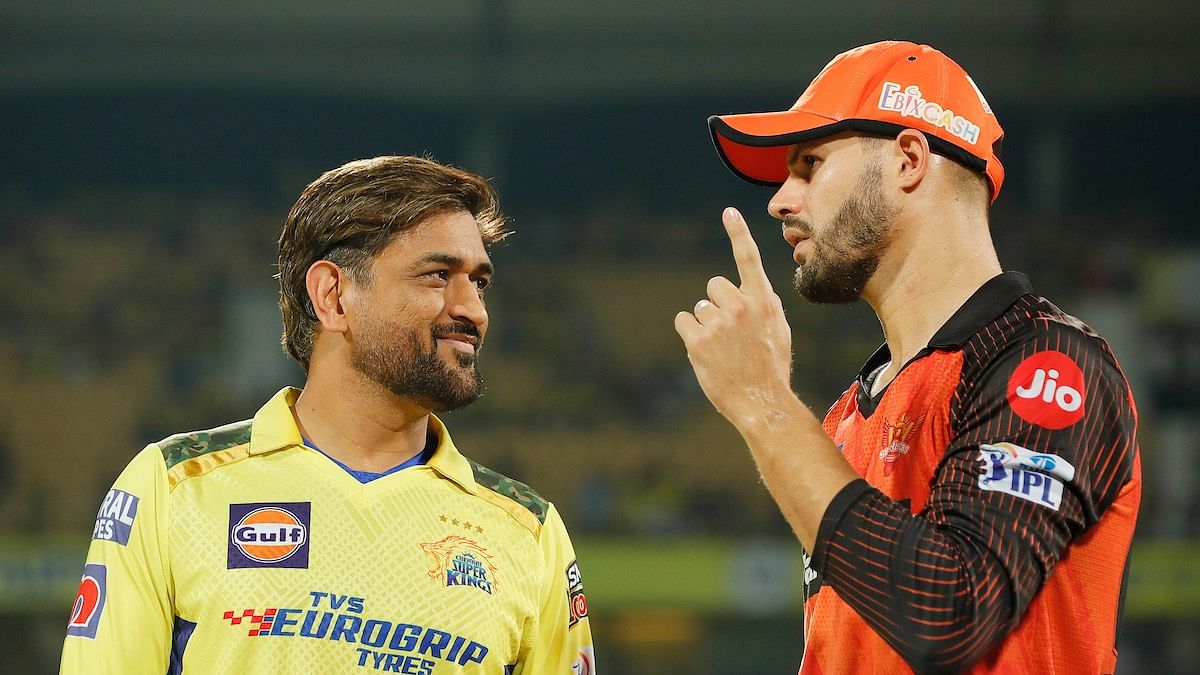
(788, 199)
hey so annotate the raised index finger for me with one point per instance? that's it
(745, 253)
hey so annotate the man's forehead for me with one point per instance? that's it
(452, 237)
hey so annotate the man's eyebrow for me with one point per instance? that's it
(793, 154)
(798, 150)
(454, 261)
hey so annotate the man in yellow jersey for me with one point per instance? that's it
(340, 529)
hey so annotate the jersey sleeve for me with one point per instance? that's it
(1043, 442)
(563, 639)
(121, 621)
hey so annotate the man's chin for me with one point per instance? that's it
(820, 292)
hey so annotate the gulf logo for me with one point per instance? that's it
(269, 535)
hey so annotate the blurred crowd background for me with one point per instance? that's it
(151, 150)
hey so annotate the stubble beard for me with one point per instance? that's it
(407, 369)
(847, 253)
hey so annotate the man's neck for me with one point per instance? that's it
(357, 422)
(922, 283)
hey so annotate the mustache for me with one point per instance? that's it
(797, 223)
(455, 328)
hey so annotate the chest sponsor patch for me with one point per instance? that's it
(114, 520)
(576, 598)
(369, 640)
(1047, 389)
(89, 602)
(1021, 472)
(273, 534)
(459, 561)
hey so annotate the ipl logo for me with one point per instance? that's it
(1021, 472)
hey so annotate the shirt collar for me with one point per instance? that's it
(991, 300)
(274, 428)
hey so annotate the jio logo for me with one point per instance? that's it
(1047, 389)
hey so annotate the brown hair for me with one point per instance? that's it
(350, 214)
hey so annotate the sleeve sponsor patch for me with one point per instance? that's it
(89, 602)
(575, 597)
(585, 663)
(1047, 389)
(114, 520)
(1034, 476)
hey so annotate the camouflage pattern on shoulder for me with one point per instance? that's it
(513, 489)
(182, 447)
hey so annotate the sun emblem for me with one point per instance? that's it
(895, 441)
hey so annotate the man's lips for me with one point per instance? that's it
(797, 255)
(466, 343)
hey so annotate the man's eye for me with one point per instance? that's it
(440, 274)
(483, 283)
(809, 160)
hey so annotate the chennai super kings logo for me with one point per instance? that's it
(458, 561)
(895, 440)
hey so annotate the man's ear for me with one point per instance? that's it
(912, 149)
(326, 284)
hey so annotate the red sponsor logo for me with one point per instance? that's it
(260, 622)
(585, 663)
(1047, 389)
(89, 602)
(575, 595)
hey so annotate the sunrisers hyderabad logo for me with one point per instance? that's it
(269, 535)
(1047, 389)
(89, 602)
(458, 561)
(895, 441)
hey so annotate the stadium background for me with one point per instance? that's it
(150, 150)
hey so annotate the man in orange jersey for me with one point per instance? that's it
(969, 502)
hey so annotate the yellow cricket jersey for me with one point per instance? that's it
(240, 550)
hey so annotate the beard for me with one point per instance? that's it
(847, 252)
(406, 368)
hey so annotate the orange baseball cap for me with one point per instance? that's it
(877, 89)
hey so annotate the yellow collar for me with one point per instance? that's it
(274, 428)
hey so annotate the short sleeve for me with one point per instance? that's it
(122, 617)
(563, 639)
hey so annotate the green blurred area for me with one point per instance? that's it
(705, 576)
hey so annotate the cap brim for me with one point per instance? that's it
(754, 145)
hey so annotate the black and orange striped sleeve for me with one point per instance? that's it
(1043, 439)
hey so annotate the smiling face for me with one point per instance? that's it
(419, 318)
(835, 216)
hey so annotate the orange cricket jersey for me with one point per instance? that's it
(1001, 486)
